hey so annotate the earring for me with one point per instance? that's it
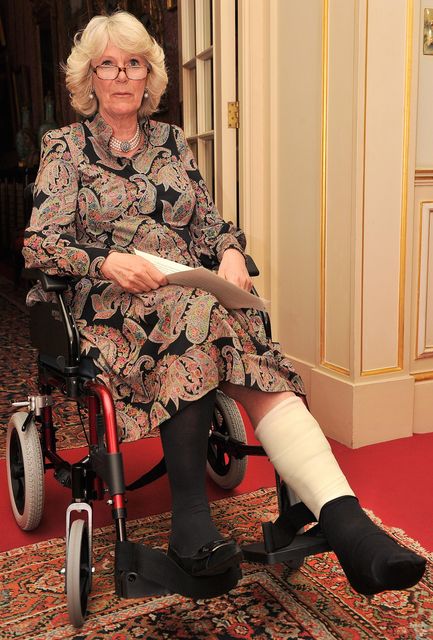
(146, 94)
(91, 95)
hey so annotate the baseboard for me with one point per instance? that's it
(423, 407)
(366, 412)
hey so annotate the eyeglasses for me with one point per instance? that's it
(111, 71)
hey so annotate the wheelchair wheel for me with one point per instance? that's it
(25, 471)
(78, 572)
(224, 469)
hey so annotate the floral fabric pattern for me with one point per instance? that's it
(156, 351)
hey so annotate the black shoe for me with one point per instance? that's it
(212, 559)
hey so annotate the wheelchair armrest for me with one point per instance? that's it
(49, 283)
(53, 331)
(251, 266)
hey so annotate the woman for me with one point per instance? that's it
(120, 181)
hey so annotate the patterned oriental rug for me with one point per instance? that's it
(314, 602)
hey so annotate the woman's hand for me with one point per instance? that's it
(232, 268)
(132, 273)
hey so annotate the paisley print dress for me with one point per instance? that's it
(156, 351)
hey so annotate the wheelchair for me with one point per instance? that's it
(31, 452)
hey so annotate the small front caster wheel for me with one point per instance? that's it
(78, 572)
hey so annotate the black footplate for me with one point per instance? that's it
(301, 546)
(143, 571)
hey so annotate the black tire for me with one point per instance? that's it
(225, 470)
(25, 471)
(78, 572)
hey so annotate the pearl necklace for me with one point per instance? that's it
(126, 145)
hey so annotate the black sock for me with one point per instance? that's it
(372, 561)
(185, 441)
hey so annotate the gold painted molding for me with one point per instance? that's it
(335, 368)
(403, 223)
(421, 377)
(379, 372)
(428, 350)
(323, 182)
(404, 196)
(424, 176)
(323, 196)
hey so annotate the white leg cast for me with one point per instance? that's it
(301, 455)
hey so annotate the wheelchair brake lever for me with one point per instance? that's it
(35, 404)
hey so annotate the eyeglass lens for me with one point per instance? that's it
(110, 72)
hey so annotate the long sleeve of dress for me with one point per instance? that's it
(211, 234)
(50, 241)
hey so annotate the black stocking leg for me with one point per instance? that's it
(184, 441)
(371, 560)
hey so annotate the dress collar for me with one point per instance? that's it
(102, 131)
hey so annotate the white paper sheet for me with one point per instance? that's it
(228, 294)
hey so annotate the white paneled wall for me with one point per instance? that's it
(338, 208)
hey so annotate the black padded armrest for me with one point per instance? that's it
(251, 266)
(49, 283)
(53, 331)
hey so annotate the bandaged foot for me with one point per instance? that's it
(372, 561)
(301, 455)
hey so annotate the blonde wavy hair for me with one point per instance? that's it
(126, 32)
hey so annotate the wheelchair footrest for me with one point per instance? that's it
(302, 545)
(143, 571)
